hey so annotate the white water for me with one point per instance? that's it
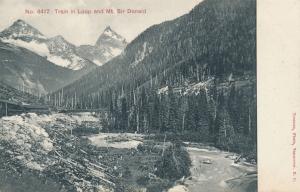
(222, 175)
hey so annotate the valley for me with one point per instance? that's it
(55, 151)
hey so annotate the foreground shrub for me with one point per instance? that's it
(174, 162)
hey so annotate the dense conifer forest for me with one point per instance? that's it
(194, 76)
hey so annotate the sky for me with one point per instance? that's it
(86, 28)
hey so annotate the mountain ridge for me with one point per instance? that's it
(60, 51)
(49, 51)
(25, 35)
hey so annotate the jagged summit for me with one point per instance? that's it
(20, 21)
(108, 28)
(59, 37)
(21, 29)
(60, 51)
(110, 36)
(56, 49)
(109, 45)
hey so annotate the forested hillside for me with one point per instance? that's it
(29, 72)
(195, 75)
(10, 94)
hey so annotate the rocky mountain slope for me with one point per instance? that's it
(109, 45)
(25, 70)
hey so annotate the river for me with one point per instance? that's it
(213, 170)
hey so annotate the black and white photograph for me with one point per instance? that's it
(128, 96)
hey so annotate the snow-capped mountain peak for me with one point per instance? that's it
(56, 49)
(64, 54)
(108, 32)
(109, 36)
(22, 30)
(21, 23)
(107, 28)
(109, 45)
(61, 52)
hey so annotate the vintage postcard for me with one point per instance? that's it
(144, 96)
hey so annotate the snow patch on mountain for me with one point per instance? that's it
(34, 46)
(97, 62)
(116, 51)
(42, 49)
(77, 62)
(26, 34)
(59, 61)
